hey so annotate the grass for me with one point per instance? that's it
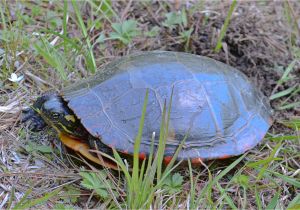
(54, 45)
(225, 26)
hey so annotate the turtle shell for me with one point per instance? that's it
(214, 105)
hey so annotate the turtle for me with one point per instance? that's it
(214, 107)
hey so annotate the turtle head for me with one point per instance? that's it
(51, 109)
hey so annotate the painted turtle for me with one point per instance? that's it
(222, 112)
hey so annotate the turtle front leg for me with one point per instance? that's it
(84, 150)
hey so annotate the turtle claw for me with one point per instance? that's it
(36, 123)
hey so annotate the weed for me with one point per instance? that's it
(225, 26)
(97, 181)
(287, 93)
(173, 183)
(26, 203)
(125, 31)
(89, 56)
(179, 19)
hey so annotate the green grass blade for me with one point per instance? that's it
(65, 38)
(287, 72)
(285, 178)
(22, 200)
(137, 143)
(65, 19)
(225, 26)
(227, 198)
(164, 131)
(206, 190)
(122, 166)
(12, 197)
(229, 168)
(270, 159)
(109, 9)
(283, 93)
(90, 59)
(283, 138)
(52, 57)
(3, 19)
(262, 162)
(289, 106)
(31, 203)
(150, 158)
(149, 173)
(257, 199)
(295, 203)
(192, 188)
(161, 144)
(274, 201)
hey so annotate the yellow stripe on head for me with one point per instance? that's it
(70, 118)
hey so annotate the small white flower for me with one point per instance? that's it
(14, 78)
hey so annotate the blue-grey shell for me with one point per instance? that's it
(214, 104)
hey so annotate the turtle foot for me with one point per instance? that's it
(84, 150)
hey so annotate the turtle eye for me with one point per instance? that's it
(55, 115)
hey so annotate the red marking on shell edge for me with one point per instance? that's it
(167, 159)
(270, 120)
(197, 160)
(247, 147)
(111, 145)
(125, 152)
(142, 156)
(224, 157)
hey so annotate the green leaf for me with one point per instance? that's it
(60, 206)
(243, 180)
(186, 34)
(172, 20)
(153, 32)
(33, 147)
(173, 183)
(119, 37)
(36, 11)
(101, 38)
(53, 19)
(71, 194)
(44, 149)
(184, 18)
(95, 181)
(129, 26)
(106, 8)
(117, 27)
(125, 31)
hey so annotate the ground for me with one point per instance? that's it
(45, 46)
